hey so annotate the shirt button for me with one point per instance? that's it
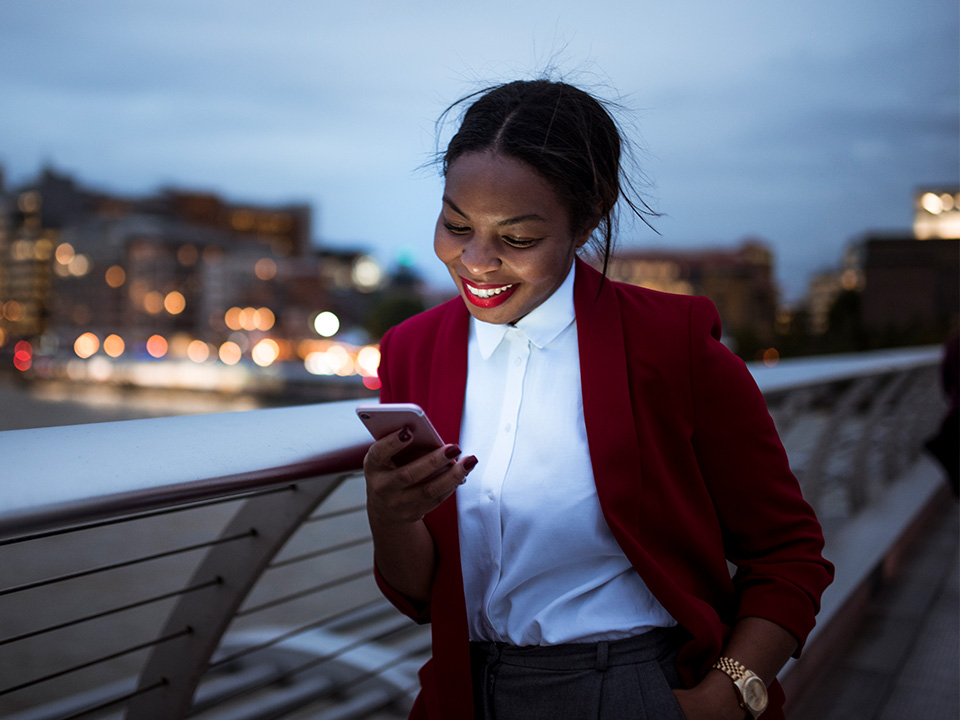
(517, 361)
(508, 427)
(489, 494)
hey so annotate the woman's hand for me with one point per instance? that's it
(397, 499)
(404, 494)
(713, 699)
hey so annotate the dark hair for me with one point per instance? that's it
(563, 133)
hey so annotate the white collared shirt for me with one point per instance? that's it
(540, 565)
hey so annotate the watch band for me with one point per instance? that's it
(731, 667)
(751, 691)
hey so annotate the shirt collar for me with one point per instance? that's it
(541, 325)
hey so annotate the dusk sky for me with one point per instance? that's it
(804, 124)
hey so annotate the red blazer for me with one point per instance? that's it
(689, 470)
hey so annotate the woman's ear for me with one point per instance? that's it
(584, 235)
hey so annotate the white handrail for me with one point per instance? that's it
(80, 473)
(794, 373)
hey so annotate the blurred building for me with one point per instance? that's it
(911, 287)
(739, 281)
(824, 288)
(191, 269)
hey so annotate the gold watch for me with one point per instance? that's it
(751, 691)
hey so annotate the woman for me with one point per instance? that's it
(574, 563)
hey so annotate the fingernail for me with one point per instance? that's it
(405, 435)
(470, 463)
(452, 451)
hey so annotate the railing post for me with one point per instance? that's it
(815, 470)
(170, 676)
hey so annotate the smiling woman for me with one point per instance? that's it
(618, 456)
(504, 236)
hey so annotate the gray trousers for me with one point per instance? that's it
(618, 680)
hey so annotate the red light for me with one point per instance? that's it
(22, 356)
(371, 383)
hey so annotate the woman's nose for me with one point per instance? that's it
(480, 256)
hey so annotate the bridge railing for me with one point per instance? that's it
(218, 566)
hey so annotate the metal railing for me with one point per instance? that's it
(218, 566)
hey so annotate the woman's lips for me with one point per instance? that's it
(487, 295)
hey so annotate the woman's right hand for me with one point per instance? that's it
(404, 494)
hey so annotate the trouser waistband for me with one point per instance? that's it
(580, 656)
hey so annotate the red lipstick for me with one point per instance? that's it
(487, 295)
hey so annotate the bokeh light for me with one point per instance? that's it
(368, 360)
(23, 355)
(265, 352)
(326, 324)
(198, 351)
(113, 345)
(265, 269)
(174, 303)
(115, 276)
(230, 353)
(86, 345)
(157, 346)
(153, 302)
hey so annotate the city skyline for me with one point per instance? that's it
(804, 126)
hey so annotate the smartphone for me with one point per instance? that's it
(381, 420)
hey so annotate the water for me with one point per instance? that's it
(49, 404)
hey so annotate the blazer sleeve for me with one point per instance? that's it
(770, 533)
(417, 611)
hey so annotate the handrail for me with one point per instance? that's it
(59, 475)
(796, 373)
(81, 473)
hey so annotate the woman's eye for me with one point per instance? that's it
(519, 242)
(456, 229)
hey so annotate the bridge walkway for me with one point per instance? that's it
(903, 659)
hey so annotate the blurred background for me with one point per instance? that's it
(224, 204)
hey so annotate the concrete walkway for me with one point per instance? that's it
(903, 660)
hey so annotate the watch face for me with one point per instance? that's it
(755, 694)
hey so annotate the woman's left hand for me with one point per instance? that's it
(713, 699)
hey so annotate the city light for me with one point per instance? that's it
(326, 324)
(79, 265)
(23, 356)
(265, 352)
(198, 351)
(86, 345)
(232, 318)
(153, 302)
(368, 360)
(113, 346)
(932, 203)
(13, 311)
(265, 269)
(64, 253)
(230, 353)
(157, 346)
(174, 303)
(115, 276)
(367, 273)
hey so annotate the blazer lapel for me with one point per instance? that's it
(607, 410)
(448, 384)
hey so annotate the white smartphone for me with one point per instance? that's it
(383, 419)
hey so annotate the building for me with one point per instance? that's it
(911, 288)
(739, 281)
(179, 265)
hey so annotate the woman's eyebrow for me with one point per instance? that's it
(502, 223)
